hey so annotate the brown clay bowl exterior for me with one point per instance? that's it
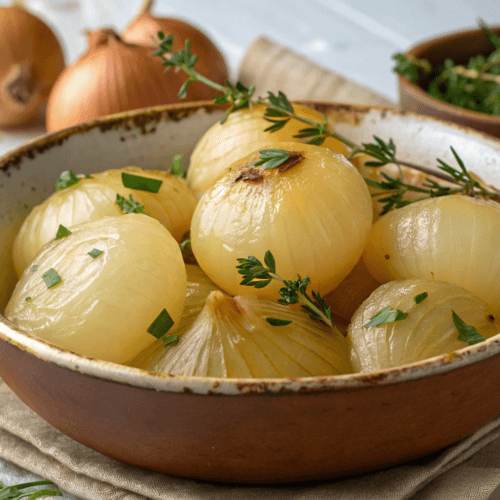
(252, 430)
(459, 46)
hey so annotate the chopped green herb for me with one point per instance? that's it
(141, 183)
(34, 268)
(62, 232)
(169, 340)
(386, 315)
(51, 278)
(14, 492)
(272, 158)
(95, 253)
(420, 297)
(66, 179)
(467, 333)
(129, 206)
(161, 325)
(27, 299)
(278, 322)
(176, 167)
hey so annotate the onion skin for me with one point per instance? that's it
(28, 67)
(427, 331)
(211, 64)
(242, 134)
(231, 338)
(103, 307)
(199, 286)
(314, 217)
(111, 77)
(452, 238)
(95, 198)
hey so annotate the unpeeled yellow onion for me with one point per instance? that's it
(452, 238)
(313, 213)
(427, 331)
(103, 306)
(199, 286)
(231, 338)
(243, 133)
(94, 198)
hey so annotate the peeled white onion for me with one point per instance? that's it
(243, 133)
(199, 286)
(231, 338)
(103, 306)
(314, 217)
(451, 238)
(92, 199)
(427, 331)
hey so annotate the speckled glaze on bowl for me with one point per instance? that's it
(252, 430)
(459, 46)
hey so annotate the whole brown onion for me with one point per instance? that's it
(144, 29)
(110, 77)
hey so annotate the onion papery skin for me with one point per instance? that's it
(231, 338)
(211, 64)
(28, 66)
(95, 198)
(242, 134)
(314, 217)
(427, 331)
(453, 238)
(352, 291)
(111, 77)
(103, 307)
(199, 286)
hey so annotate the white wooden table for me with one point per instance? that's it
(352, 37)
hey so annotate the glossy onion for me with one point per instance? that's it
(231, 338)
(92, 199)
(313, 213)
(103, 306)
(452, 238)
(199, 286)
(242, 134)
(427, 331)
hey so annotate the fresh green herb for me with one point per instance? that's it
(176, 167)
(272, 158)
(293, 292)
(51, 278)
(15, 493)
(34, 268)
(169, 340)
(420, 297)
(386, 315)
(278, 322)
(467, 333)
(161, 325)
(141, 183)
(62, 232)
(66, 179)
(474, 86)
(27, 299)
(129, 206)
(95, 253)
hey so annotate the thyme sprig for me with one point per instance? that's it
(294, 291)
(467, 185)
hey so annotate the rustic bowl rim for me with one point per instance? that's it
(160, 382)
(437, 104)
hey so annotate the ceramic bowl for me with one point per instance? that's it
(231, 430)
(459, 46)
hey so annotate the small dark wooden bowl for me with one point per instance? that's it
(459, 46)
(240, 430)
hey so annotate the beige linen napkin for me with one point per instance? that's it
(469, 470)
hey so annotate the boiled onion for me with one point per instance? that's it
(103, 305)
